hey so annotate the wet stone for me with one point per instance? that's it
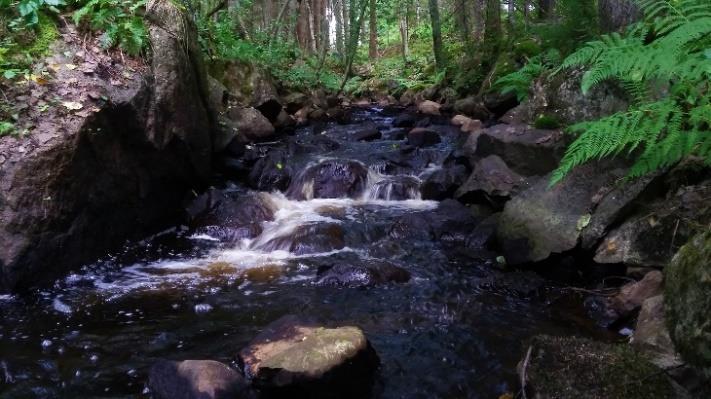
(360, 274)
(196, 379)
(295, 358)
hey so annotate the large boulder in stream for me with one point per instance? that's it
(81, 183)
(296, 358)
(271, 172)
(578, 368)
(544, 220)
(197, 379)
(230, 216)
(330, 179)
(688, 300)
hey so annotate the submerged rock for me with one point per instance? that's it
(450, 222)
(396, 188)
(405, 120)
(688, 300)
(577, 368)
(367, 132)
(308, 239)
(197, 379)
(330, 179)
(362, 274)
(293, 358)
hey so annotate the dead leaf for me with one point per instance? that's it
(72, 105)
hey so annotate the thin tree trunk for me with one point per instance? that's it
(405, 37)
(545, 8)
(353, 42)
(510, 15)
(277, 23)
(479, 13)
(373, 45)
(338, 14)
(436, 35)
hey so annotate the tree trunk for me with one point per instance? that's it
(492, 30)
(436, 35)
(616, 14)
(338, 14)
(353, 40)
(510, 15)
(277, 23)
(462, 19)
(545, 8)
(405, 37)
(479, 13)
(373, 45)
(303, 31)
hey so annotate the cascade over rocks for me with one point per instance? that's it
(197, 379)
(310, 238)
(330, 179)
(115, 174)
(296, 358)
(230, 216)
(396, 188)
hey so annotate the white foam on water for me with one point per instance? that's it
(6, 297)
(61, 307)
(289, 216)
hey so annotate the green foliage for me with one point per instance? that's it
(6, 128)
(24, 38)
(120, 21)
(29, 10)
(519, 82)
(665, 65)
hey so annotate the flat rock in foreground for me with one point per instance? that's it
(302, 359)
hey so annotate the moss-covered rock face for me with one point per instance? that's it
(688, 300)
(576, 368)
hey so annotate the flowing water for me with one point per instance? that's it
(455, 330)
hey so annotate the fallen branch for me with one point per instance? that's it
(524, 367)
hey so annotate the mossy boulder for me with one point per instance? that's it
(298, 358)
(688, 300)
(578, 368)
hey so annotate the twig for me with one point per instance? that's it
(523, 371)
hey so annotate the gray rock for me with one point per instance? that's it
(423, 137)
(361, 274)
(304, 359)
(491, 178)
(688, 300)
(527, 151)
(652, 234)
(197, 379)
(544, 220)
(472, 107)
(251, 124)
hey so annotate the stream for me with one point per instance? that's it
(455, 328)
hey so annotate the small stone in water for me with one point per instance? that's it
(203, 308)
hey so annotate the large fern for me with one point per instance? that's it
(519, 82)
(664, 62)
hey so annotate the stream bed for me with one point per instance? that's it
(455, 329)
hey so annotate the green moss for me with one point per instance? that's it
(688, 299)
(47, 33)
(547, 122)
(571, 367)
